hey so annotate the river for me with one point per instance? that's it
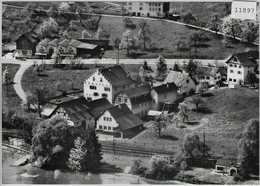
(32, 175)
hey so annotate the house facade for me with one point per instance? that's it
(41, 48)
(51, 46)
(211, 75)
(138, 99)
(119, 121)
(145, 9)
(182, 80)
(240, 65)
(26, 44)
(107, 83)
(165, 93)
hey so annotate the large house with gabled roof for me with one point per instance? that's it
(107, 83)
(211, 75)
(240, 65)
(42, 49)
(138, 99)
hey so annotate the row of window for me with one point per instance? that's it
(101, 80)
(122, 99)
(107, 118)
(97, 94)
(95, 88)
(106, 127)
(231, 65)
(155, 9)
(234, 80)
(154, 4)
(238, 72)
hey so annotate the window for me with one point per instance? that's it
(105, 127)
(96, 94)
(150, 9)
(231, 71)
(109, 128)
(101, 80)
(105, 118)
(208, 77)
(119, 99)
(125, 99)
(107, 89)
(92, 87)
(149, 4)
(141, 4)
(89, 98)
(129, 8)
(100, 126)
(202, 77)
(230, 65)
(239, 66)
(187, 81)
(129, 3)
(159, 9)
(218, 77)
(104, 95)
(234, 80)
(110, 119)
(141, 8)
(93, 78)
(239, 72)
(235, 65)
(230, 79)
(215, 78)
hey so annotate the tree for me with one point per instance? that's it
(191, 67)
(56, 58)
(28, 102)
(192, 147)
(176, 68)
(6, 78)
(137, 167)
(188, 18)
(250, 32)
(128, 41)
(49, 28)
(38, 69)
(251, 79)
(76, 155)
(37, 99)
(183, 112)
(117, 46)
(161, 66)
(227, 8)
(248, 149)
(144, 33)
(196, 39)
(231, 27)
(214, 23)
(196, 101)
(202, 87)
(159, 124)
(51, 142)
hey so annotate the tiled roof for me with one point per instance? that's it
(86, 46)
(31, 35)
(117, 76)
(177, 77)
(246, 58)
(44, 42)
(138, 91)
(54, 42)
(75, 43)
(98, 106)
(207, 71)
(124, 117)
(77, 109)
(165, 88)
(64, 42)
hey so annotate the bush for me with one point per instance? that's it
(129, 24)
(192, 91)
(138, 168)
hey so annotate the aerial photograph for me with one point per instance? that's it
(100, 92)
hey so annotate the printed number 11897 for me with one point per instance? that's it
(244, 10)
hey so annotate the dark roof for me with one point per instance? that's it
(124, 117)
(98, 106)
(138, 91)
(99, 42)
(246, 58)
(207, 71)
(165, 88)
(31, 35)
(226, 162)
(77, 109)
(117, 76)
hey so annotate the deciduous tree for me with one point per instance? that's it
(128, 41)
(250, 32)
(191, 67)
(159, 124)
(188, 18)
(214, 24)
(203, 87)
(196, 101)
(231, 26)
(37, 99)
(144, 33)
(248, 149)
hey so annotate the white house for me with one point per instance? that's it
(107, 83)
(165, 93)
(182, 80)
(138, 99)
(240, 65)
(63, 47)
(41, 47)
(151, 9)
(119, 120)
(210, 75)
(52, 45)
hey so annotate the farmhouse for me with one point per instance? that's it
(107, 83)
(151, 9)
(210, 75)
(62, 47)
(240, 65)
(226, 166)
(26, 44)
(182, 80)
(41, 48)
(76, 112)
(138, 99)
(165, 93)
(119, 121)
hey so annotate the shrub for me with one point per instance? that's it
(192, 91)
(138, 168)
(129, 24)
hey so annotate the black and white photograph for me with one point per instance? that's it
(130, 92)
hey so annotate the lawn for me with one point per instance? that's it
(10, 98)
(228, 110)
(61, 80)
(165, 37)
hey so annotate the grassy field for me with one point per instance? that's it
(9, 98)
(222, 122)
(166, 36)
(65, 78)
